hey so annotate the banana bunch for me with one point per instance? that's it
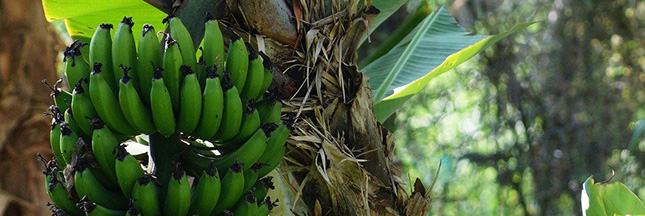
(120, 91)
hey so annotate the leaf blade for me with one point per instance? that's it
(442, 45)
(82, 17)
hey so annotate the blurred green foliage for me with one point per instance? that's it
(519, 128)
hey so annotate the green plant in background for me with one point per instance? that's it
(602, 199)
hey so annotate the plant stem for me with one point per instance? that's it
(165, 153)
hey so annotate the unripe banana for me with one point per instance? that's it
(61, 98)
(54, 134)
(149, 56)
(69, 118)
(93, 209)
(213, 45)
(75, 67)
(191, 102)
(250, 124)
(172, 61)
(145, 194)
(82, 107)
(232, 116)
(255, 77)
(106, 103)
(104, 145)
(132, 211)
(212, 107)
(101, 52)
(268, 74)
(262, 187)
(270, 111)
(247, 206)
(124, 52)
(232, 188)
(128, 170)
(207, 192)
(56, 189)
(179, 32)
(251, 176)
(275, 150)
(237, 61)
(135, 112)
(249, 152)
(86, 184)
(178, 195)
(161, 106)
(68, 139)
(265, 206)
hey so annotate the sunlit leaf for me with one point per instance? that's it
(437, 45)
(83, 16)
(598, 199)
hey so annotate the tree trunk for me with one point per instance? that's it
(28, 51)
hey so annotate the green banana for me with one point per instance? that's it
(207, 192)
(144, 192)
(249, 152)
(212, 107)
(270, 111)
(135, 112)
(275, 150)
(93, 209)
(86, 184)
(268, 74)
(161, 106)
(124, 51)
(251, 176)
(265, 206)
(56, 189)
(262, 187)
(237, 61)
(101, 52)
(255, 77)
(149, 56)
(247, 206)
(178, 195)
(68, 140)
(106, 103)
(132, 211)
(172, 61)
(104, 145)
(127, 169)
(82, 106)
(250, 124)
(69, 118)
(54, 133)
(232, 188)
(61, 97)
(213, 44)
(180, 33)
(232, 116)
(190, 107)
(75, 68)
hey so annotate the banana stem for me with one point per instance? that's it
(165, 153)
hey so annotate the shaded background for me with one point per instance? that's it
(517, 129)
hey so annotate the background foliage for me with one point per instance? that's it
(519, 129)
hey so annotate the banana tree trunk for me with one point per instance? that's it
(28, 53)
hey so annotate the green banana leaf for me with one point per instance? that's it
(437, 45)
(83, 16)
(598, 199)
